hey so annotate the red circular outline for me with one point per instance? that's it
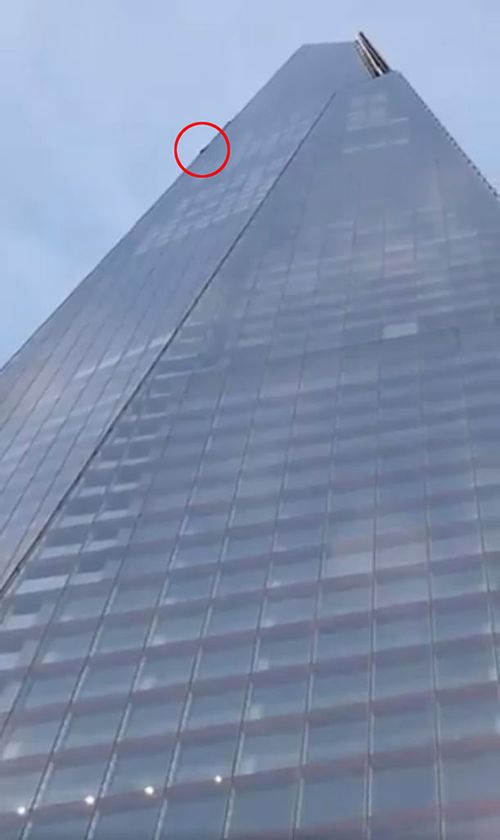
(224, 162)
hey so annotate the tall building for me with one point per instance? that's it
(250, 534)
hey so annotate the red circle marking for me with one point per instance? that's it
(195, 174)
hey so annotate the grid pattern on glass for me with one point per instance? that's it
(280, 575)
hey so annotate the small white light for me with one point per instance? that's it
(149, 790)
(21, 810)
(218, 779)
(89, 800)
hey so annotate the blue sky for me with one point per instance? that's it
(93, 94)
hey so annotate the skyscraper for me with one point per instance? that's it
(250, 537)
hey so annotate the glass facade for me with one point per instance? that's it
(269, 605)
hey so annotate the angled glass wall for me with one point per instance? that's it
(268, 607)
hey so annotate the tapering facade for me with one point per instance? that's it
(250, 510)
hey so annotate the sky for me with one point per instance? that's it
(92, 95)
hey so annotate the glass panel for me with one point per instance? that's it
(342, 641)
(277, 698)
(108, 679)
(86, 729)
(217, 707)
(284, 610)
(220, 662)
(114, 637)
(340, 601)
(465, 665)
(194, 819)
(29, 738)
(292, 571)
(402, 590)
(44, 690)
(468, 717)
(73, 783)
(471, 776)
(401, 631)
(338, 688)
(270, 750)
(136, 598)
(183, 588)
(165, 670)
(463, 620)
(393, 730)
(241, 580)
(231, 617)
(136, 772)
(69, 646)
(277, 652)
(332, 799)
(399, 788)
(156, 718)
(74, 828)
(175, 627)
(403, 677)
(138, 824)
(262, 809)
(205, 759)
(337, 739)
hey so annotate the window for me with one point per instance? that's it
(158, 718)
(136, 772)
(224, 661)
(340, 601)
(87, 729)
(262, 809)
(75, 606)
(17, 790)
(75, 827)
(216, 707)
(401, 631)
(336, 798)
(247, 547)
(344, 563)
(270, 750)
(342, 640)
(42, 690)
(465, 664)
(339, 688)
(399, 729)
(285, 610)
(108, 679)
(401, 590)
(166, 670)
(407, 676)
(469, 717)
(128, 599)
(228, 617)
(125, 825)
(337, 739)
(281, 651)
(174, 627)
(205, 759)
(29, 739)
(241, 580)
(72, 783)
(462, 620)
(58, 648)
(183, 588)
(114, 637)
(400, 788)
(471, 777)
(9, 688)
(293, 571)
(201, 817)
(277, 698)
